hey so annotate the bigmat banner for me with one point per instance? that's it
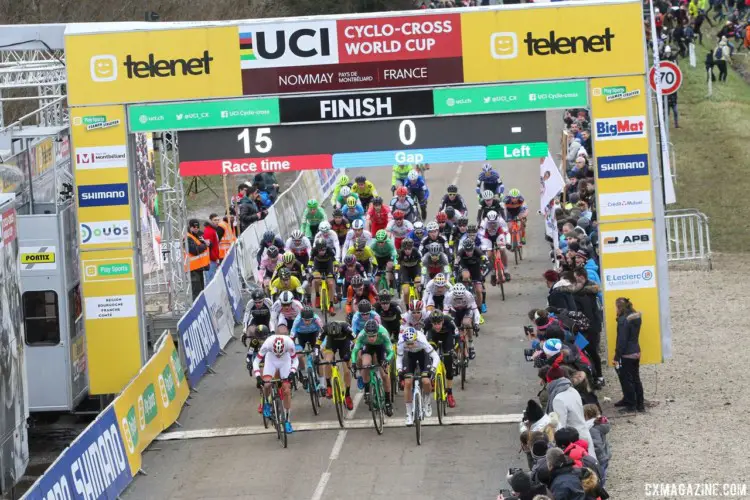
(508, 43)
(199, 339)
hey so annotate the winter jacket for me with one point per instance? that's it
(599, 433)
(210, 235)
(566, 402)
(561, 296)
(585, 297)
(592, 269)
(566, 483)
(537, 489)
(628, 329)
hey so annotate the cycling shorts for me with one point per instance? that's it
(382, 263)
(438, 300)
(341, 346)
(411, 359)
(409, 274)
(377, 350)
(475, 272)
(273, 364)
(460, 314)
(302, 339)
(325, 268)
(488, 240)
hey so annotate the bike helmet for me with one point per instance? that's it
(320, 245)
(272, 252)
(334, 329)
(471, 228)
(358, 224)
(514, 193)
(401, 191)
(487, 195)
(381, 235)
(351, 202)
(364, 306)
(288, 257)
(343, 180)
(398, 215)
(487, 168)
(278, 347)
(371, 327)
(418, 226)
(286, 298)
(417, 306)
(357, 279)
(324, 227)
(360, 179)
(377, 200)
(413, 175)
(492, 216)
(407, 243)
(262, 331)
(452, 189)
(312, 204)
(345, 191)
(258, 295)
(307, 313)
(435, 249)
(284, 273)
(462, 221)
(432, 226)
(441, 217)
(436, 316)
(350, 260)
(410, 335)
(338, 213)
(268, 237)
(450, 212)
(360, 244)
(459, 290)
(468, 245)
(440, 280)
(385, 296)
(297, 235)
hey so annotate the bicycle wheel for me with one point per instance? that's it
(515, 251)
(376, 404)
(324, 303)
(439, 393)
(278, 415)
(338, 399)
(312, 389)
(418, 416)
(520, 252)
(263, 415)
(462, 363)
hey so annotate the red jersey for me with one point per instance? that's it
(378, 220)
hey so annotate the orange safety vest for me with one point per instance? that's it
(196, 262)
(226, 241)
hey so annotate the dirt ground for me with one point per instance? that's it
(694, 434)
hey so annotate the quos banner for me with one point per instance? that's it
(105, 457)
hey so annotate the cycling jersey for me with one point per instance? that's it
(381, 340)
(367, 191)
(337, 189)
(406, 205)
(331, 241)
(324, 263)
(400, 173)
(418, 189)
(286, 364)
(407, 352)
(359, 319)
(399, 229)
(457, 203)
(300, 248)
(431, 267)
(311, 221)
(484, 209)
(417, 239)
(363, 256)
(297, 270)
(409, 263)
(268, 266)
(341, 201)
(278, 286)
(445, 336)
(352, 299)
(473, 263)
(446, 230)
(384, 251)
(348, 273)
(340, 228)
(514, 206)
(391, 318)
(409, 319)
(352, 236)
(345, 332)
(427, 240)
(491, 181)
(465, 304)
(257, 315)
(277, 242)
(355, 213)
(378, 218)
(433, 295)
(286, 317)
(306, 331)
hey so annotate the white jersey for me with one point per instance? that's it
(431, 290)
(350, 237)
(410, 320)
(466, 301)
(421, 344)
(497, 230)
(331, 240)
(248, 318)
(285, 364)
(279, 317)
(301, 247)
(399, 231)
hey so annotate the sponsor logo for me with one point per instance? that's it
(612, 90)
(103, 195)
(622, 166)
(147, 407)
(278, 45)
(504, 45)
(116, 231)
(628, 240)
(629, 278)
(37, 258)
(554, 44)
(103, 68)
(625, 127)
(33, 258)
(96, 157)
(624, 95)
(627, 203)
(164, 68)
(89, 120)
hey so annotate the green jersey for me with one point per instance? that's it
(314, 219)
(399, 173)
(382, 339)
(384, 251)
(342, 201)
(336, 190)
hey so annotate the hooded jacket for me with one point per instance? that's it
(592, 269)
(561, 295)
(628, 330)
(585, 297)
(566, 402)
(565, 483)
(599, 433)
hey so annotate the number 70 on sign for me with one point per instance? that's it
(670, 77)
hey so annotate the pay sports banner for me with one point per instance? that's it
(152, 401)
(199, 341)
(230, 271)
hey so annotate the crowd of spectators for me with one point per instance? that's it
(564, 432)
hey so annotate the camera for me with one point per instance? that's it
(528, 330)
(506, 493)
(528, 353)
(514, 470)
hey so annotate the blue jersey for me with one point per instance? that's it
(352, 214)
(358, 320)
(514, 206)
(416, 239)
(299, 326)
(417, 186)
(491, 181)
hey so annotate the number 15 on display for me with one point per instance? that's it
(263, 143)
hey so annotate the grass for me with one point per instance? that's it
(712, 148)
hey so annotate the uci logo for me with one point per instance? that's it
(279, 45)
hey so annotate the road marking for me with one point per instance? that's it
(458, 173)
(329, 425)
(321, 486)
(357, 399)
(337, 445)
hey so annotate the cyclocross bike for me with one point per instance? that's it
(338, 388)
(313, 384)
(516, 247)
(416, 397)
(498, 279)
(377, 397)
(325, 299)
(278, 415)
(461, 361)
(440, 393)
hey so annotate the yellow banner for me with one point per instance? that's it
(553, 42)
(152, 401)
(137, 66)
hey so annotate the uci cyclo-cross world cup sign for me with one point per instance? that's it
(255, 95)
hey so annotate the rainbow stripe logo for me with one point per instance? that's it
(246, 47)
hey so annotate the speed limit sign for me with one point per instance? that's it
(670, 77)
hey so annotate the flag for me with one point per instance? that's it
(552, 182)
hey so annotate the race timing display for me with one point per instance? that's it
(363, 144)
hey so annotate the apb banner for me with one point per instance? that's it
(198, 337)
(231, 273)
(94, 466)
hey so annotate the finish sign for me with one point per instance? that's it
(670, 77)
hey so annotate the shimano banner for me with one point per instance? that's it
(198, 338)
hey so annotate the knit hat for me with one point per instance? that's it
(520, 482)
(582, 252)
(584, 223)
(533, 412)
(565, 436)
(551, 275)
(539, 448)
(555, 372)
(552, 348)
(554, 331)
(555, 458)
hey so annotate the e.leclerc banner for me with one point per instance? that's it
(199, 340)
(152, 401)
(94, 466)
(230, 271)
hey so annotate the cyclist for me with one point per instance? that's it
(362, 253)
(283, 363)
(464, 308)
(336, 337)
(434, 262)
(358, 291)
(365, 189)
(472, 233)
(413, 349)
(440, 329)
(344, 193)
(286, 283)
(489, 204)
(470, 260)
(409, 259)
(404, 203)
(343, 181)
(269, 239)
(256, 340)
(306, 329)
(459, 230)
(378, 215)
(399, 176)
(363, 315)
(489, 180)
(289, 261)
(300, 246)
(257, 313)
(417, 234)
(349, 269)
(415, 316)
(516, 208)
(418, 190)
(329, 237)
(493, 231)
(268, 264)
(390, 313)
(323, 260)
(452, 216)
(340, 225)
(445, 227)
(385, 255)
(398, 228)
(435, 291)
(357, 231)
(433, 236)
(311, 218)
(353, 210)
(376, 347)
(283, 313)
(453, 199)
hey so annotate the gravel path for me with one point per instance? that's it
(694, 435)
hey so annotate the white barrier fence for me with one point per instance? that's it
(688, 237)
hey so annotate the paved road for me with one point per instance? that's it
(458, 461)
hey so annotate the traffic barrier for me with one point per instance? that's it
(221, 309)
(688, 237)
(198, 339)
(230, 270)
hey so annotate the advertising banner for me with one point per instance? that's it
(148, 203)
(230, 271)
(152, 401)
(221, 310)
(132, 66)
(94, 466)
(197, 332)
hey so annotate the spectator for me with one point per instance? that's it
(564, 481)
(267, 182)
(198, 259)
(261, 198)
(584, 260)
(722, 58)
(570, 442)
(672, 106)
(628, 356)
(239, 198)
(225, 231)
(586, 299)
(560, 291)
(586, 142)
(710, 63)
(211, 237)
(566, 402)
(523, 488)
(599, 427)
(580, 381)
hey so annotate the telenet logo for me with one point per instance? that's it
(104, 67)
(504, 45)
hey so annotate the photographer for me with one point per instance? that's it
(522, 487)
